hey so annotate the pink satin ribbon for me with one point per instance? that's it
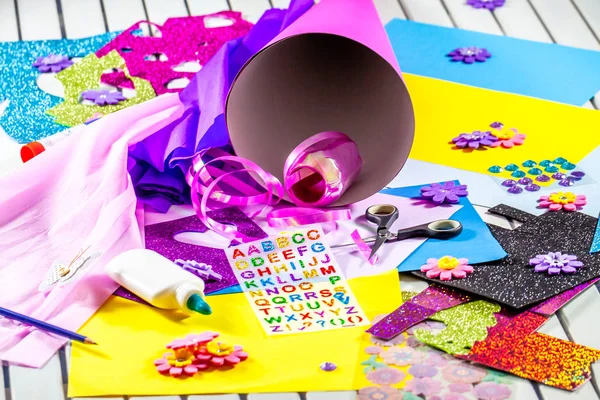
(316, 174)
(363, 247)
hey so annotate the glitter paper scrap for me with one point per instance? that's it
(192, 40)
(465, 325)
(25, 118)
(417, 309)
(512, 282)
(513, 348)
(86, 75)
(553, 304)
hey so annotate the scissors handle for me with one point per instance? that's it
(442, 229)
(384, 215)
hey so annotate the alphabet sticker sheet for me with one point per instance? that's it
(294, 284)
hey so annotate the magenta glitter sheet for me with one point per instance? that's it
(417, 309)
(159, 59)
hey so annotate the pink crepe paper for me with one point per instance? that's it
(74, 195)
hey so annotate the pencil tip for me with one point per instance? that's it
(89, 341)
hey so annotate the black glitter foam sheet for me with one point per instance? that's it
(511, 281)
(510, 212)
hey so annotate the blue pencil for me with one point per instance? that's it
(45, 326)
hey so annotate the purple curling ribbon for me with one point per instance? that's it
(316, 174)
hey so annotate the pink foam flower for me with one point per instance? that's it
(508, 138)
(219, 354)
(562, 201)
(446, 268)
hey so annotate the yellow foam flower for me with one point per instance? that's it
(448, 262)
(181, 358)
(219, 348)
(562, 197)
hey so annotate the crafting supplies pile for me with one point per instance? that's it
(215, 206)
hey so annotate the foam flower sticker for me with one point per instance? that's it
(446, 268)
(402, 356)
(379, 393)
(180, 361)
(508, 137)
(446, 192)
(103, 97)
(372, 364)
(555, 262)
(492, 391)
(469, 55)
(487, 4)
(386, 376)
(463, 373)
(197, 352)
(474, 140)
(562, 201)
(219, 354)
(52, 63)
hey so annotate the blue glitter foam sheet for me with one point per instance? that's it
(25, 118)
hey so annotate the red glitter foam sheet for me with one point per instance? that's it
(512, 345)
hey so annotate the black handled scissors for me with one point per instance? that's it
(384, 215)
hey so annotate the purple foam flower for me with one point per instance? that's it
(469, 55)
(474, 140)
(446, 192)
(555, 263)
(103, 97)
(52, 63)
(489, 4)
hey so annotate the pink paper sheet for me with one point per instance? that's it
(74, 196)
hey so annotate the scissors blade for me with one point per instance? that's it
(378, 243)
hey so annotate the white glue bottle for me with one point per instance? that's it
(159, 281)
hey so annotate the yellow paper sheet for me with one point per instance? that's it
(132, 336)
(444, 110)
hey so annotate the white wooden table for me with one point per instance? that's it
(569, 22)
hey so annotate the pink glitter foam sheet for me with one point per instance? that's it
(158, 58)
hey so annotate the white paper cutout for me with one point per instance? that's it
(62, 273)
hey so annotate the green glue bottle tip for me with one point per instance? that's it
(197, 303)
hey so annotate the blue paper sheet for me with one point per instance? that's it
(475, 243)
(542, 70)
